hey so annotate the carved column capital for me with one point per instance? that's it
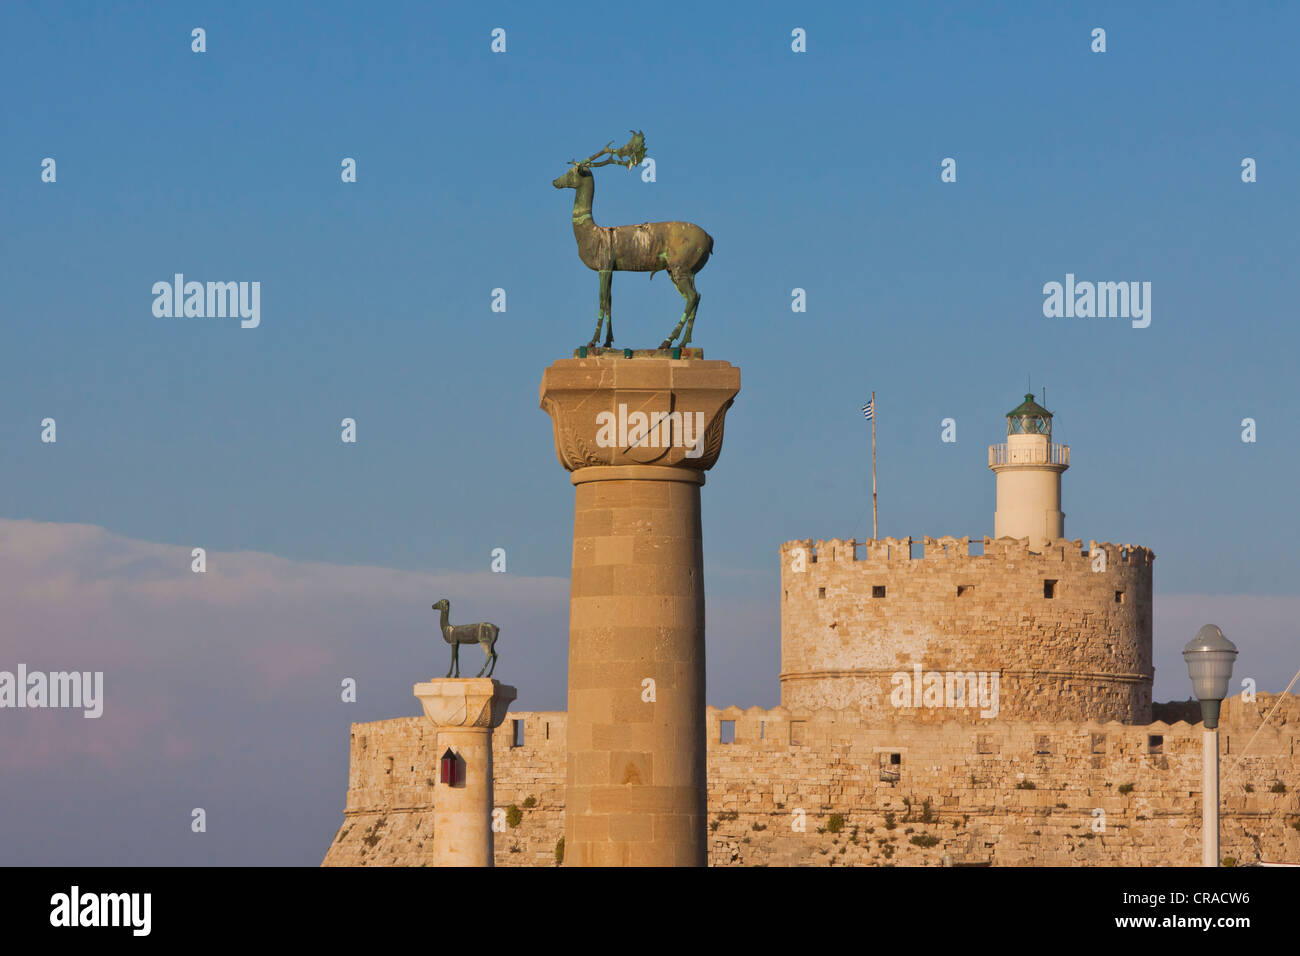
(611, 412)
(465, 702)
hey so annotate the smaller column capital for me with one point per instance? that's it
(465, 702)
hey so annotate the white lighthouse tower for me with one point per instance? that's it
(1029, 470)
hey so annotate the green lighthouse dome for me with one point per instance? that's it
(1029, 418)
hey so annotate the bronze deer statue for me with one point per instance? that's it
(458, 634)
(679, 248)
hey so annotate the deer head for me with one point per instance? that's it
(441, 605)
(572, 178)
(629, 154)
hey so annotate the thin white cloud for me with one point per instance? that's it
(223, 689)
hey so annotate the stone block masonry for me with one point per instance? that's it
(1066, 627)
(393, 770)
(1003, 793)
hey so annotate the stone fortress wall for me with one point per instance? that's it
(880, 792)
(1069, 635)
(1067, 763)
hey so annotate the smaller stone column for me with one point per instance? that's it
(464, 711)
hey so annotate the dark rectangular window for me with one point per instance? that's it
(821, 592)
(964, 589)
(1119, 597)
(891, 767)
(728, 735)
(877, 590)
(1049, 589)
(517, 733)
(1155, 743)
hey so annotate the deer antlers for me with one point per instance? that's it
(629, 154)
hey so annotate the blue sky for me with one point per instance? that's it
(818, 171)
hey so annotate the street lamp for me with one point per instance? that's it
(1209, 657)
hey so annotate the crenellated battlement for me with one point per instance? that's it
(1065, 626)
(951, 549)
(1242, 722)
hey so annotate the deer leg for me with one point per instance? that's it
(494, 662)
(686, 286)
(606, 305)
(453, 660)
(602, 313)
(692, 304)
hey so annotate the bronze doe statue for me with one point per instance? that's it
(458, 634)
(679, 248)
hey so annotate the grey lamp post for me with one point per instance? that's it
(1209, 657)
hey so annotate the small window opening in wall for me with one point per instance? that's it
(389, 768)
(728, 735)
(1119, 597)
(762, 729)
(517, 733)
(877, 590)
(548, 730)
(821, 592)
(964, 589)
(1049, 588)
(1155, 743)
(891, 767)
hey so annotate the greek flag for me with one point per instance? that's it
(868, 410)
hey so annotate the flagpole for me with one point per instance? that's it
(874, 533)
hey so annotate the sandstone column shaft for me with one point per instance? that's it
(464, 711)
(636, 615)
(462, 814)
(635, 780)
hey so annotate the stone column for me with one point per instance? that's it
(464, 710)
(637, 434)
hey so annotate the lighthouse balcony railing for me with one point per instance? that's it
(1048, 453)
